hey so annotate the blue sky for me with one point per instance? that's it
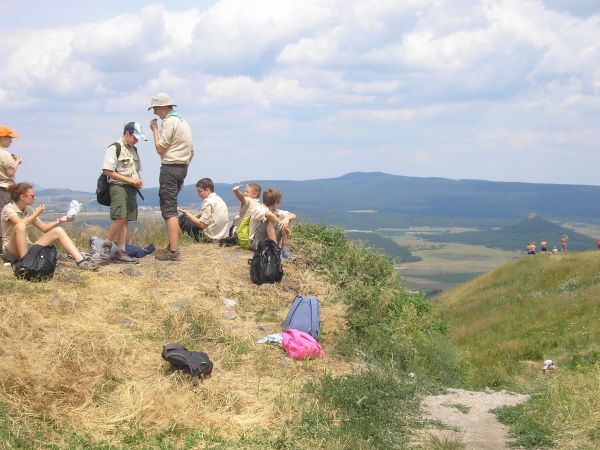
(282, 89)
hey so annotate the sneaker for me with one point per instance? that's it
(167, 255)
(286, 254)
(122, 257)
(87, 264)
(105, 250)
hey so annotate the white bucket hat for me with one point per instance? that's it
(161, 99)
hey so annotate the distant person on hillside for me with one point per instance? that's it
(276, 231)
(18, 216)
(549, 367)
(544, 246)
(598, 244)
(9, 163)
(124, 182)
(554, 250)
(213, 218)
(174, 146)
(563, 243)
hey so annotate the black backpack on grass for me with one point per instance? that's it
(197, 364)
(265, 265)
(38, 264)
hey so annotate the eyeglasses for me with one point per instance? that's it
(29, 195)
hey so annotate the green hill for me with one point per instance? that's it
(533, 228)
(509, 321)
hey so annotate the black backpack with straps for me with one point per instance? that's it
(197, 364)
(102, 191)
(38, 264)
(265, 265)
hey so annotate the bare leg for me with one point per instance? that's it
(122, 237)
(116, 228)
(271, 233)
(173, 232)
(18, 242)
(60, 235)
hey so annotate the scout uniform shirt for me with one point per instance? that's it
(176, 138)
(214, 213)
(128, 163)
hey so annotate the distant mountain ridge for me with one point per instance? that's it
(515, 237)
(403, 201)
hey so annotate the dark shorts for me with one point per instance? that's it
(123, 202)
(171, 181)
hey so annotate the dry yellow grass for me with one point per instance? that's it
(83, 350)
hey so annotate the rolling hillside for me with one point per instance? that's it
(403, 201)
(514, 237)
(509, 321)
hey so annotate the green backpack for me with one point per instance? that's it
(243, 233)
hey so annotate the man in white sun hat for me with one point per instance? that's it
(122, 167)
(174, 146)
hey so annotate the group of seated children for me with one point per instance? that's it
(264, 220)
(258, 221)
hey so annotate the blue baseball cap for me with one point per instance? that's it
(135, 128)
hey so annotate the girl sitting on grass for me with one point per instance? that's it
(18, 216)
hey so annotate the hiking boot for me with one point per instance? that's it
(122, 257)
(167, 255)
(87, 264)
(105, 250)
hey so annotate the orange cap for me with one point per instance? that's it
(5, 131)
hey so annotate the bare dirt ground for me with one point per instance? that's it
(468, 417)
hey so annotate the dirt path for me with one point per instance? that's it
(468, 414)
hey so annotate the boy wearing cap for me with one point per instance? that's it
(174, 146)
(9, 162)
(124, 181)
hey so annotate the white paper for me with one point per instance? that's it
(74, 208)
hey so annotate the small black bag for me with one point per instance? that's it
(265, 265)
(38, 264)
(197, 364)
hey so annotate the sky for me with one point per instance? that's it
(504, 90)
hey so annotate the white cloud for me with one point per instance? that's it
(323, 77)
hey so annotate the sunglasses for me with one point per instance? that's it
(29, 195)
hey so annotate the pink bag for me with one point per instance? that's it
(301, 345)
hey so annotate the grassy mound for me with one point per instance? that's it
(509, 321)
(81, 365)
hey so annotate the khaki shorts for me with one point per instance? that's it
(123, 203)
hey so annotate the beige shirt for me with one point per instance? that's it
(7, 227)
(256, 211)
(176, 138)
(128, 163)
(214, 213)
(6, 161)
